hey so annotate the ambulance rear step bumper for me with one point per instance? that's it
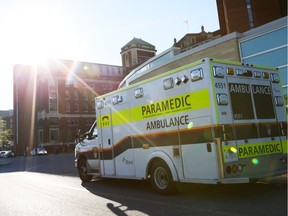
(220, 181)
(237, 180)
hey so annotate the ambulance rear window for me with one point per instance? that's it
(242, 97)
(263, 101)
(241, 101)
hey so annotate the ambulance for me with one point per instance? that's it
(210, 121)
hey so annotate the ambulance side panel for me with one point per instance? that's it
(182, 138)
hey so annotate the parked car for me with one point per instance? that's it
(2, 153)
(7, 154)
(38, 151)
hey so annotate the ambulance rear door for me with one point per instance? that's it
(255, 125)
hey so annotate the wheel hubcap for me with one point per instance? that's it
(83, 169)
(161, 178)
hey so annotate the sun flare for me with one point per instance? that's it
(37, 33)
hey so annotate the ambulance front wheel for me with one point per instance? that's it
(161, 178)
(82, 170)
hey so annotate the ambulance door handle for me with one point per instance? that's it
(109, 142)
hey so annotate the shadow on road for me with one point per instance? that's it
(125, 196)
(207, 199)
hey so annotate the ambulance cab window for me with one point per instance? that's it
(93, 131)
(95, 134)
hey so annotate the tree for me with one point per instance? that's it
(4, 134)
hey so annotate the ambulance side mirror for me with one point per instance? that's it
(81, 135)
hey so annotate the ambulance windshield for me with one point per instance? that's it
(94, 130)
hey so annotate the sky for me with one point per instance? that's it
(91, 30)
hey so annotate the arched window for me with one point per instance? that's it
(67, 107)
(85, 107)
(76, 95)
(85, 95)
(67, 95)
(76, 107)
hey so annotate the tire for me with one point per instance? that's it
(82, 170)
(161, 178)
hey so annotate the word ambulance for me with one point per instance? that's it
(209, 121)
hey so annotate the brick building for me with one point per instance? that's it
(236, 16)
(136, 52)
(192, 40)
(243, 15)
(53, 101)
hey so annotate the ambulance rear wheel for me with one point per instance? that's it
(82, 170)
(161, 178)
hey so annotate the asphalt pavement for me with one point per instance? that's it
(282, 179)
(4, 161)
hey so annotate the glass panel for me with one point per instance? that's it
(264, 42)
(241, 101)
(284, 77)
(54, 135)
(263, 101)
(53, 105)
(273, 59)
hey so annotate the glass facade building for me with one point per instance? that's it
(267, 46)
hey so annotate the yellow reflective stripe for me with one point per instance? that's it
(259, 149)
(121, 117)
(284, 146)
(200, 99)
(186, 102)
(193, 101)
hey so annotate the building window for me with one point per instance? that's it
(107, 86)
(68, 135)
(52, 95)
(41, 136)
(85, 107)
(53, 106)
(54, 121)
(72, 122)
(67, 95)
(75, 83)
(51, 82)
(76, 95)
(85, 95)
(54, 135)
(76, 107)
(89, 121)
(91, 84)
(92, 97)
(68, 107)
(250, 14)
(68, 83)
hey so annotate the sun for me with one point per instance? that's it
(34, 34)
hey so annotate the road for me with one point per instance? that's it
(49, 185)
